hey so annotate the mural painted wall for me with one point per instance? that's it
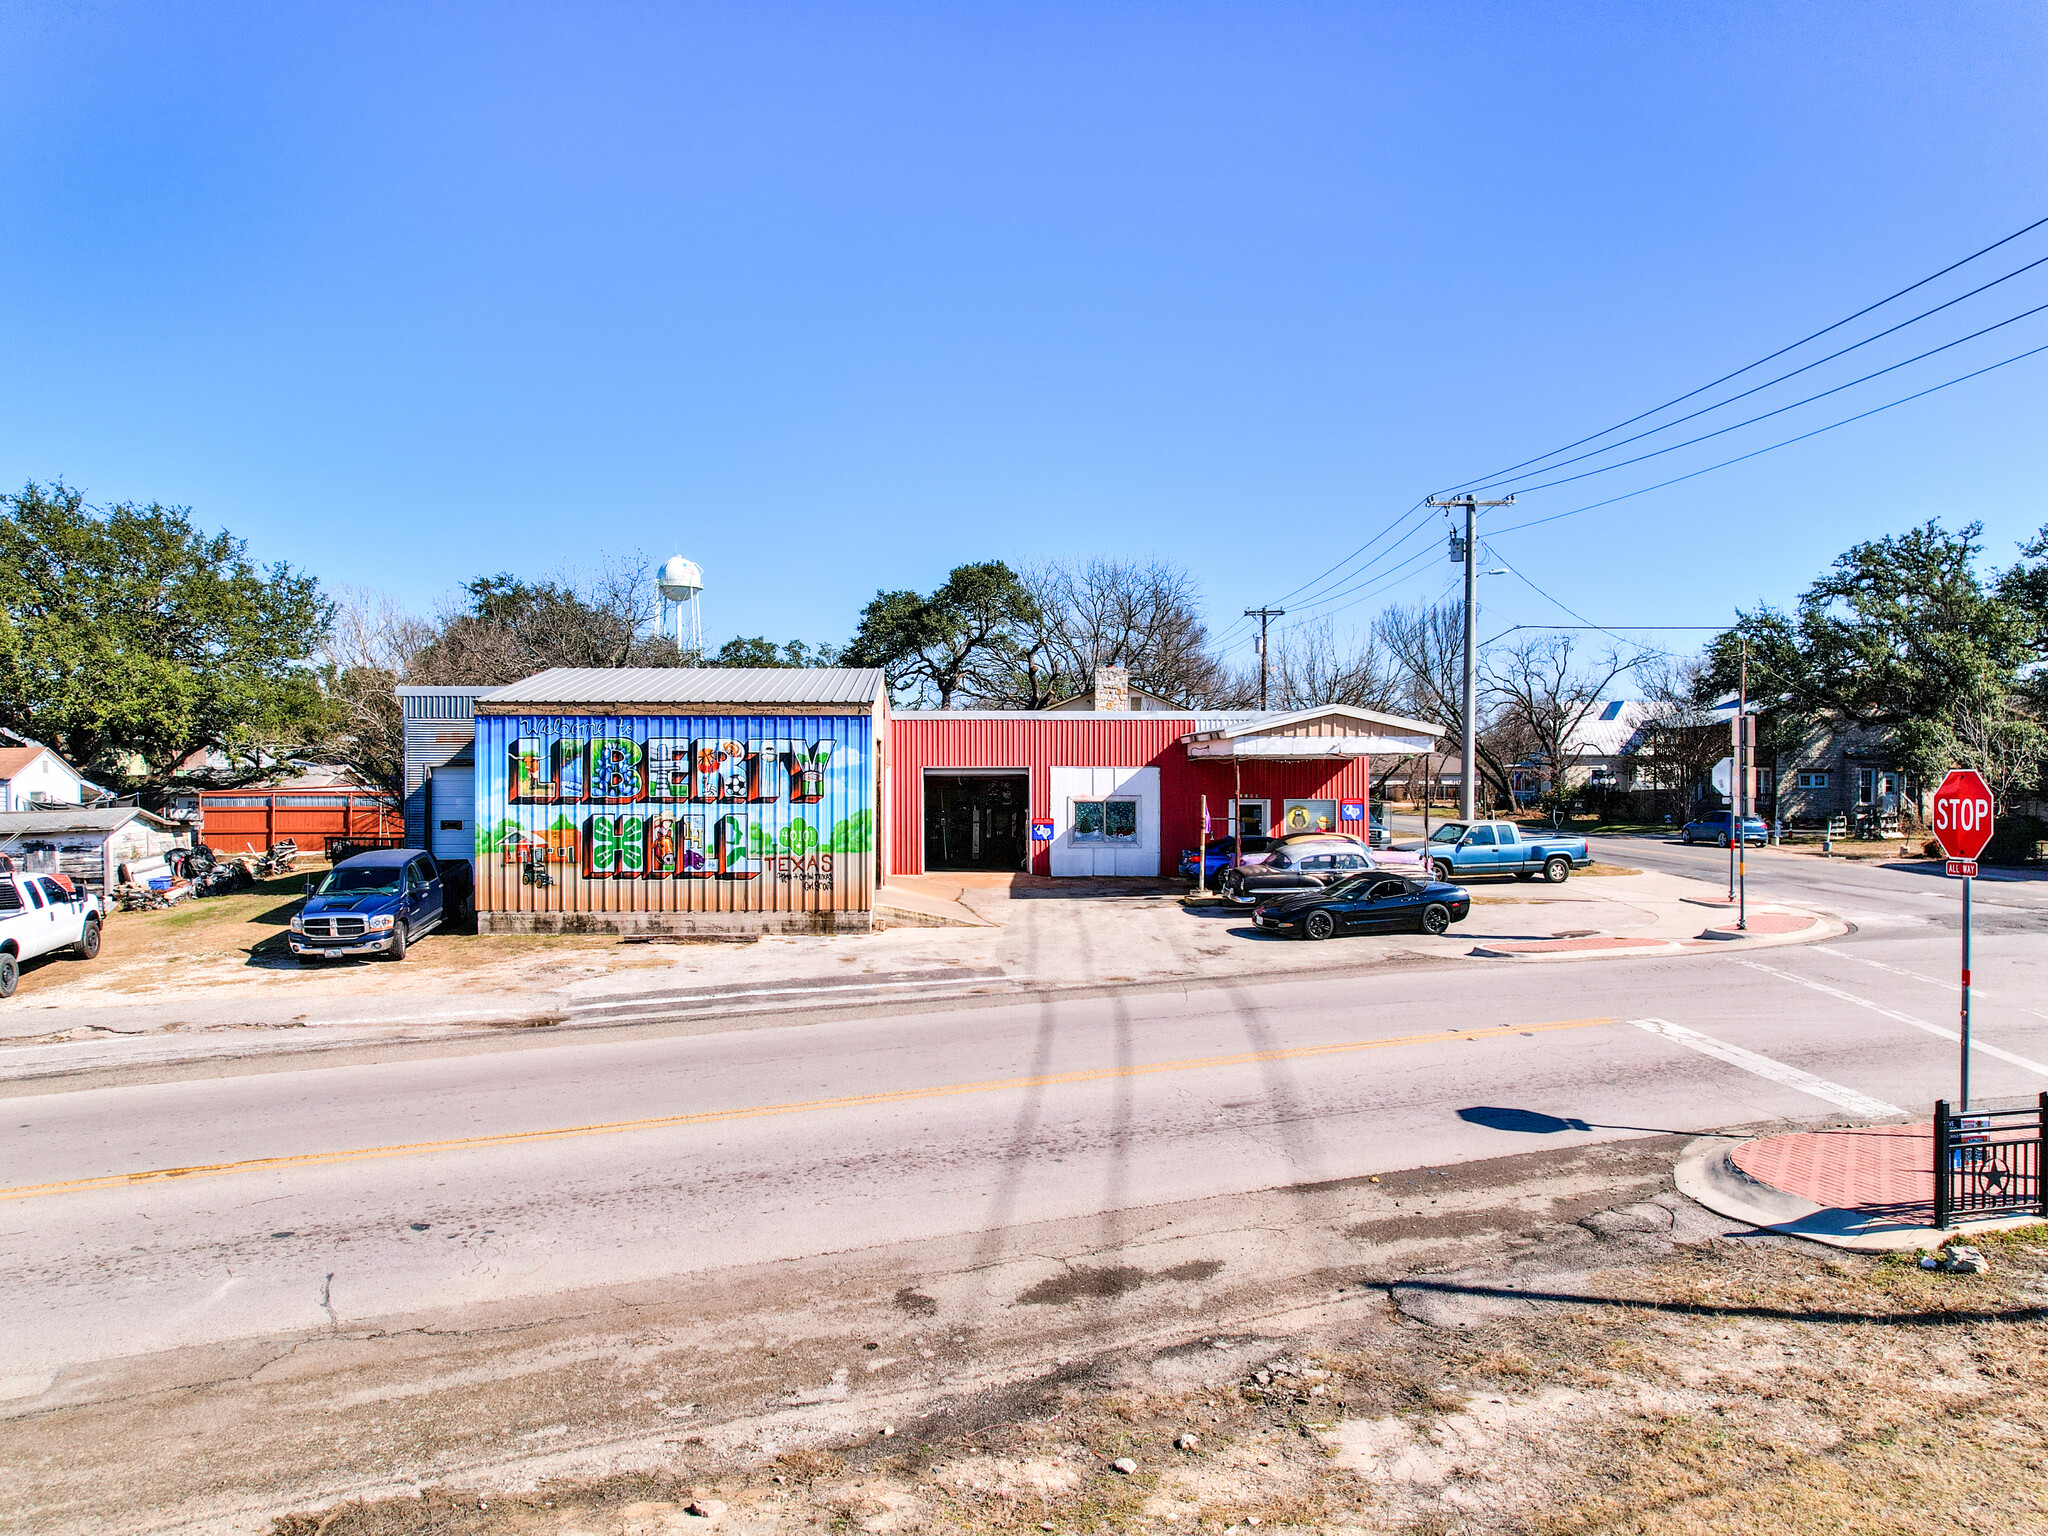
(667, 813)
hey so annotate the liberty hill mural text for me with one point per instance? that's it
(595, 763)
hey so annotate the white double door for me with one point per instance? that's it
(1112, 840)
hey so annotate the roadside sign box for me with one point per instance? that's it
(1351, 810)
(1041, 829)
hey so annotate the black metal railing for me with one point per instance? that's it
(1987, 1162)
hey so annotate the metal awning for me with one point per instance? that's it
(1306, 749)
(1274, 738)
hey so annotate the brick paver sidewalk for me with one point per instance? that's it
(1884, 1169)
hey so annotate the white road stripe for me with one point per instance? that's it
(1950, 984)
(1952, 1035)
(1790, 1077)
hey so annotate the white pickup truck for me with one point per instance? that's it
(40, 914)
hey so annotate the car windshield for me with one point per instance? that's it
(1353, 885)
(362, 880)
(1449, 834)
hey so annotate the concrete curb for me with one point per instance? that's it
(1707, 1175)
(1710, 941)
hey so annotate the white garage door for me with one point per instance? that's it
(451, 813)
(1105, 821)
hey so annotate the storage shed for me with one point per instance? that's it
(675, 800)
(90, 844)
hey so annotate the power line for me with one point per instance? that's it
(1781, 410)
(1806, 368)
(1770, 357)
(1788, 442)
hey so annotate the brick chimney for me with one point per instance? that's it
(1113, 688)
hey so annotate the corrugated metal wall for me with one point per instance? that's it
(675, 813)
(249, 821)
(1039, 743)
(437, 727)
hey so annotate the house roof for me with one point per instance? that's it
(692, 685)
(1611, 727)
(14, 759)
(77, 819)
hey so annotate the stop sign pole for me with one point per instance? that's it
(1962, 825)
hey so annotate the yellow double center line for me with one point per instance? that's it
(762, 1111)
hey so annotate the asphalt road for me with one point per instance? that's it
(335, 1196)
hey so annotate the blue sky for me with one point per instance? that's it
(831, 298)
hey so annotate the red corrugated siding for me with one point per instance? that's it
(1040, 743)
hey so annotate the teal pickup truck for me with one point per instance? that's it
(1461, 850)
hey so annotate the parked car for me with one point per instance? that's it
(1376, 828)
(41, 914)
(1714, 827)
(1370, 903)
(1220, 854)
(1343, 842)
(373, 904)
(1469, 848)
(1309, 863)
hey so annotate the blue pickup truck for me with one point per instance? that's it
(1462, 850)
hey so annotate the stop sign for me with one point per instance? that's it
(1962, 813)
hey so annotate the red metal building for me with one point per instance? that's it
(311, 810)
(1120, 792)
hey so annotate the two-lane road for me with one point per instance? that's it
(142, 1218)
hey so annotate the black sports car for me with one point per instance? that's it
(1377, 902)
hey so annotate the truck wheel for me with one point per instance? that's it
(1436, 918)
(397, 949)
(88, 945)
(1318, 925)
(10, 973)
(1443, 870)
(1557, 870)
(1722, 839)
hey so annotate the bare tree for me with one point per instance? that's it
(512, 628)
(1542, 691)
(1681, 741)
(1106, 613)
(1426, 646)
(1307, 665)
(374, 646)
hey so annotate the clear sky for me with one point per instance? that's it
(834, 297)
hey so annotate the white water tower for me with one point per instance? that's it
(677, 584)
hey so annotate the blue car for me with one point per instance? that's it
(1221, 854)
(1713, 827)
(373, 904)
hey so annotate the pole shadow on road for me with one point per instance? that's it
(1532, 1122)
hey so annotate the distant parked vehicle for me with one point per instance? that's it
(1220, 854)
(41, 914)
(1463, 849)
(1717, 827)
(1375, 902)
(373, 904)
(1308, 864)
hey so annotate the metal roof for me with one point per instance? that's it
(692, 685)
(82, 818)
(1203, 720)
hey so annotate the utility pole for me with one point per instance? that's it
(1265, 616)
(1469, 744)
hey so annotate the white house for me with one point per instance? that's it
(33, 776)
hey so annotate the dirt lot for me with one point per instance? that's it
(1733, 1385)
(233, 940)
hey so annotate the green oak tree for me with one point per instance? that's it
(962, 639)
(131, 639)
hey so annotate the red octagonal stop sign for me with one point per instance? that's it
(1962, 813)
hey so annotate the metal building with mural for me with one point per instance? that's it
(648, 800)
